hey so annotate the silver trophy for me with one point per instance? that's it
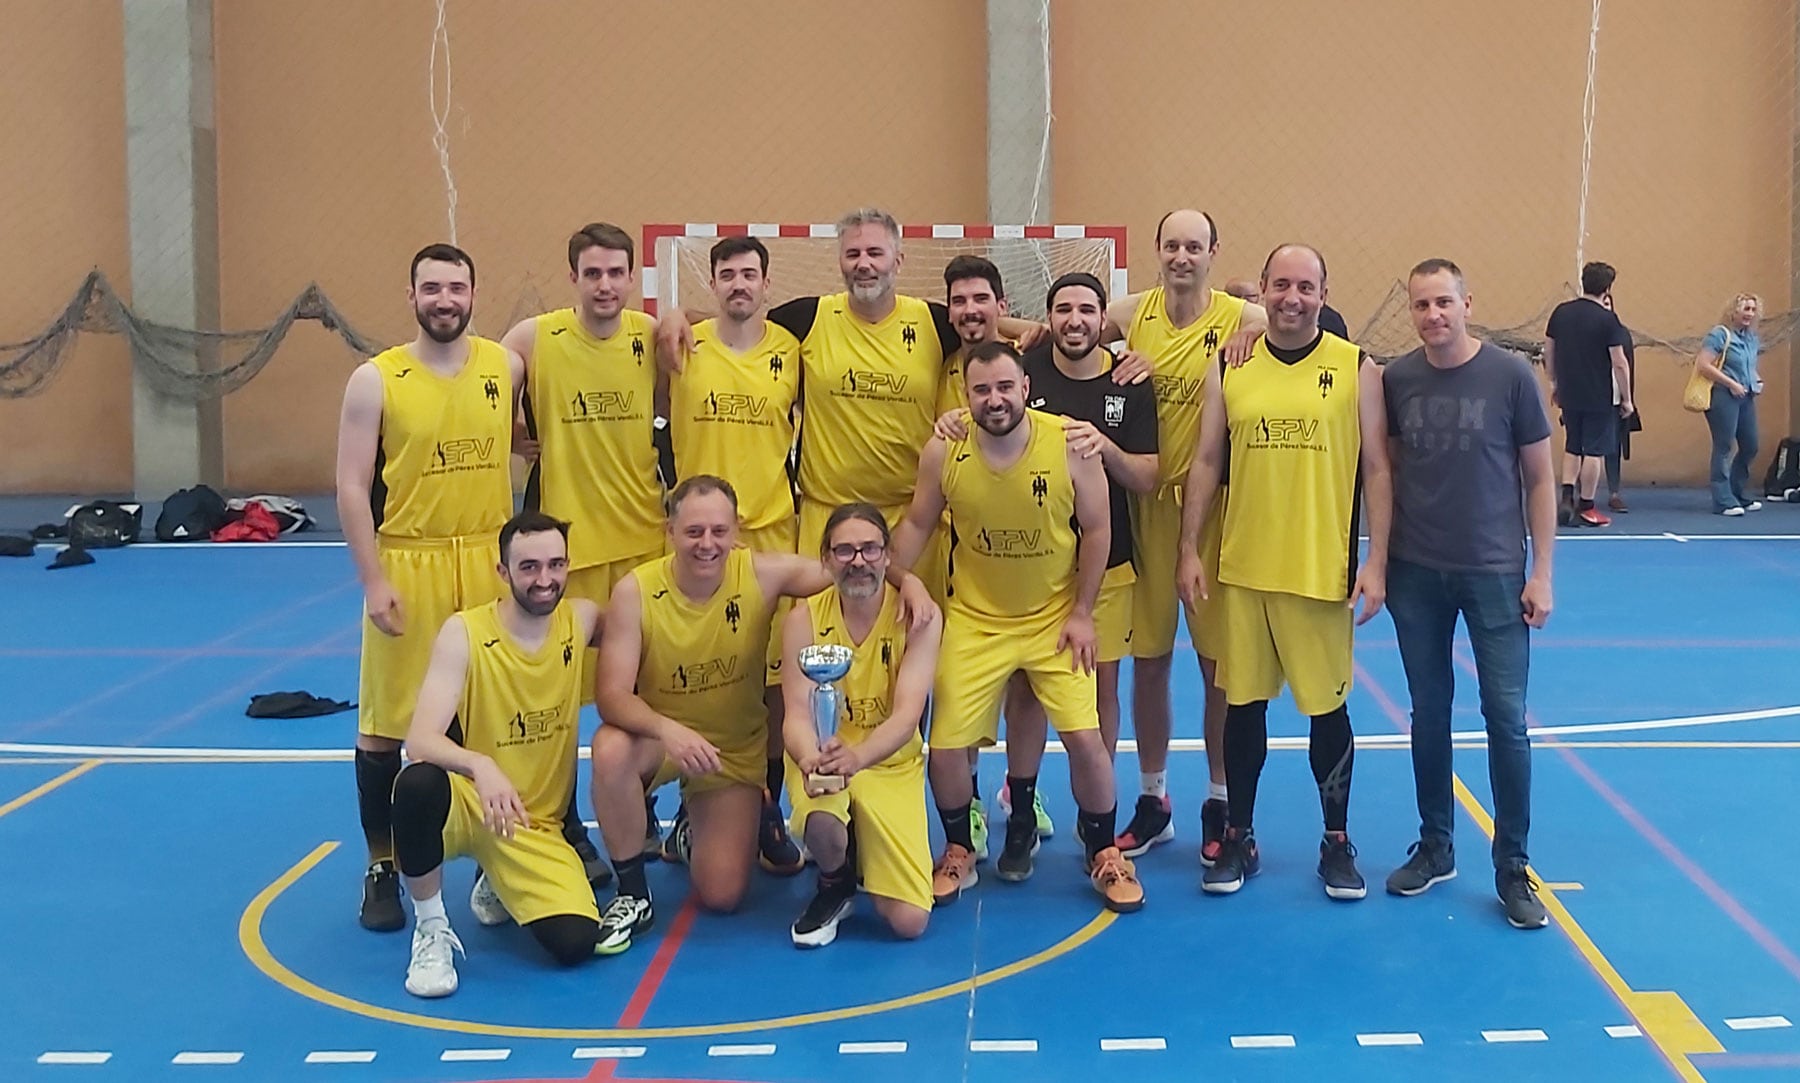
(823, 663)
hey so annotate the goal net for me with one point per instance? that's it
(803, 260)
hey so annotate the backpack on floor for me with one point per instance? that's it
(1783, 477)
(104, 524)
(191, 515)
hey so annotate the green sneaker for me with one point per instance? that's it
(978, 830)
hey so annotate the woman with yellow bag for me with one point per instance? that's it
(1725, 385)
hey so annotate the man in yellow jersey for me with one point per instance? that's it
(492, 745)
(592, 394)
(732, 415)
(680, 696)
(873, 830)
(1179, 325)
(1305, 427)
(422, 487)
(1032, 535)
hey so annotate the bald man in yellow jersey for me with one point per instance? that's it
(422, 487)
(873, 831)
(680, 696)
(1179, 326)
(732, 410)
(1030, 519)
(1303, 426)
(492, 745)
(592, 394)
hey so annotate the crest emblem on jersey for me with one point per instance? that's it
(1211, 339)
(637, 348)
(492, 391)
(568, 653)
(732, 613)
(1115, 409)
(910, 336)
(1039, 488)
(775, 366)
(1324, 383)
(887, 652)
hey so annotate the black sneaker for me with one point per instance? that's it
(1565, 514)
(1518, 893)
(1428, 862)
(625, 917)
(1153, 821)
(653, 836)
(777, 851)
(1212, 830)
(1015, 864)
(598, 872)
(1337, 867)
(679, 842)
(381, 910)
(831, 903)
(1238, 861)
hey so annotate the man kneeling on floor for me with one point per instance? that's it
(859, 796)
(509, 673)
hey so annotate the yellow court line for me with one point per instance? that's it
(1663, 1016)
(68, 776)
(251, 940)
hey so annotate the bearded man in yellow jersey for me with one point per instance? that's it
(592, 394)
(492, 745)
(1179, 326)
(680, 696)
(422, 487)
(873, 831)
(1304, 423)
(1029, 516)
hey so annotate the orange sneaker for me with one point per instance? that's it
(1115, 878)
(953, 874)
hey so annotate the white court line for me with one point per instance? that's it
(767, 1050)
(1626, 1031)
(460, 1055)
(871, 1047)
(1003, 1045)
(609, 1052)
(1262, 1041)
(1122, 1045)
(73, 1058)
(206, 1058)
(1389, 1039)
(1500, 1036)
(1180, 744)
(341, 1056)
(1759, 1022)
(1673, 537)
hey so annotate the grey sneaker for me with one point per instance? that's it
(1518, 893)
(485, 903)
(1015, 864)
(1337, 867)
(1429, 862)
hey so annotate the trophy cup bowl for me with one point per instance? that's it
(823, 663)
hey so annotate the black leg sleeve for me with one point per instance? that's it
(421, 808)
(569, 938)
(375, 773)
(1246, 749)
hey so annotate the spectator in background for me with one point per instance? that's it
(1244, 289)
(1584, 352)
(1728, 359)
(1628, 425)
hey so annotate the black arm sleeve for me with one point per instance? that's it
(796, 317)
(948, 340)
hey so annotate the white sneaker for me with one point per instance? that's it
(1754, 505)
(432, 972)
(1733, 512)
(488, 908)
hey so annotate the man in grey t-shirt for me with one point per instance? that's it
(1472, 472)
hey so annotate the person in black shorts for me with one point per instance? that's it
(1584, 351)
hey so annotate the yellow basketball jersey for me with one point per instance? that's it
(594, 402)
(702, 662)
(1295, 445)
(869, 686)
(734, 417)
(442, 467)
(1012, 555)
(1181, 357)
(871, 389)
(523, 709)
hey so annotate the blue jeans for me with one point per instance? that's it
(1424, 604)
(1731, 419)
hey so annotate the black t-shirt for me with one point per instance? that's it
(1584, 332)
(1125, 413)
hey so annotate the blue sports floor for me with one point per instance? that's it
(181, 881)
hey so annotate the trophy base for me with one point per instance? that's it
(818, 785)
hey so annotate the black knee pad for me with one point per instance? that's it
(375, 774)
(421, 808)
(569, 938)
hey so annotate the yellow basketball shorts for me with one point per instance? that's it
(434, 579)
(536, 873)
(741, 763)
(1156, 541)
(885, 807)
(932, 568)
(595, 583)
(974, 663)
(1272, 637)
(1112, 613)
(779, 538)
